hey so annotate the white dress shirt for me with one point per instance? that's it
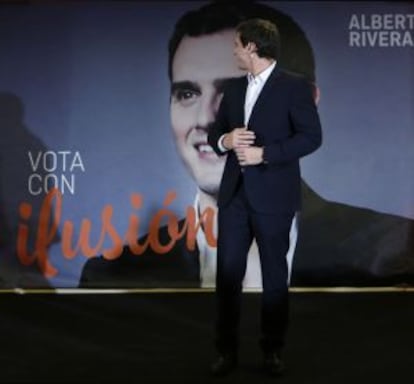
(254, 87)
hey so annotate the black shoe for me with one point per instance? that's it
(273, 364)
(225, 363)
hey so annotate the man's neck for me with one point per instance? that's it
(260, 64)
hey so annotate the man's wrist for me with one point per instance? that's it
(221, 144)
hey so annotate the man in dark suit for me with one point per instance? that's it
(266, 122)
(338, 244)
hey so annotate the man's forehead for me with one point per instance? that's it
(206, 57)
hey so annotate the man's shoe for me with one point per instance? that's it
(273, 365)
(224, 364)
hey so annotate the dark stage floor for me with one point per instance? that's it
(167, 338)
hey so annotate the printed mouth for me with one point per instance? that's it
(203, 148)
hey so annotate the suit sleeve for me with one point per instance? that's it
(306, 134)
(219, 127)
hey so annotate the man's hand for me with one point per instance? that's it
(249, 155)
(239, 138)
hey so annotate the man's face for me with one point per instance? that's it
(200, 69)
(242, 54)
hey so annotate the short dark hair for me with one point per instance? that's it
(264, 34)
(296, 54)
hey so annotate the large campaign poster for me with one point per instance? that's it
(106, 178)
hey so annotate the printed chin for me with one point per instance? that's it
(209, 174)
(209, 168)
(209, 185)
(205, 167)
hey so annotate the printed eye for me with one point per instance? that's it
(185, 97)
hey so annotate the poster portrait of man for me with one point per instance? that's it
(135, 98)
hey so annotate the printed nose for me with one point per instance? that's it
(207, 112)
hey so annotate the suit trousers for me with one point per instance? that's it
(238, 224)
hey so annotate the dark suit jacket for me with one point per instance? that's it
(286, 123)
(343, 245)
(337, 245)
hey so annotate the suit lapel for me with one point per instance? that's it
(263, 94)
(241, 93)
